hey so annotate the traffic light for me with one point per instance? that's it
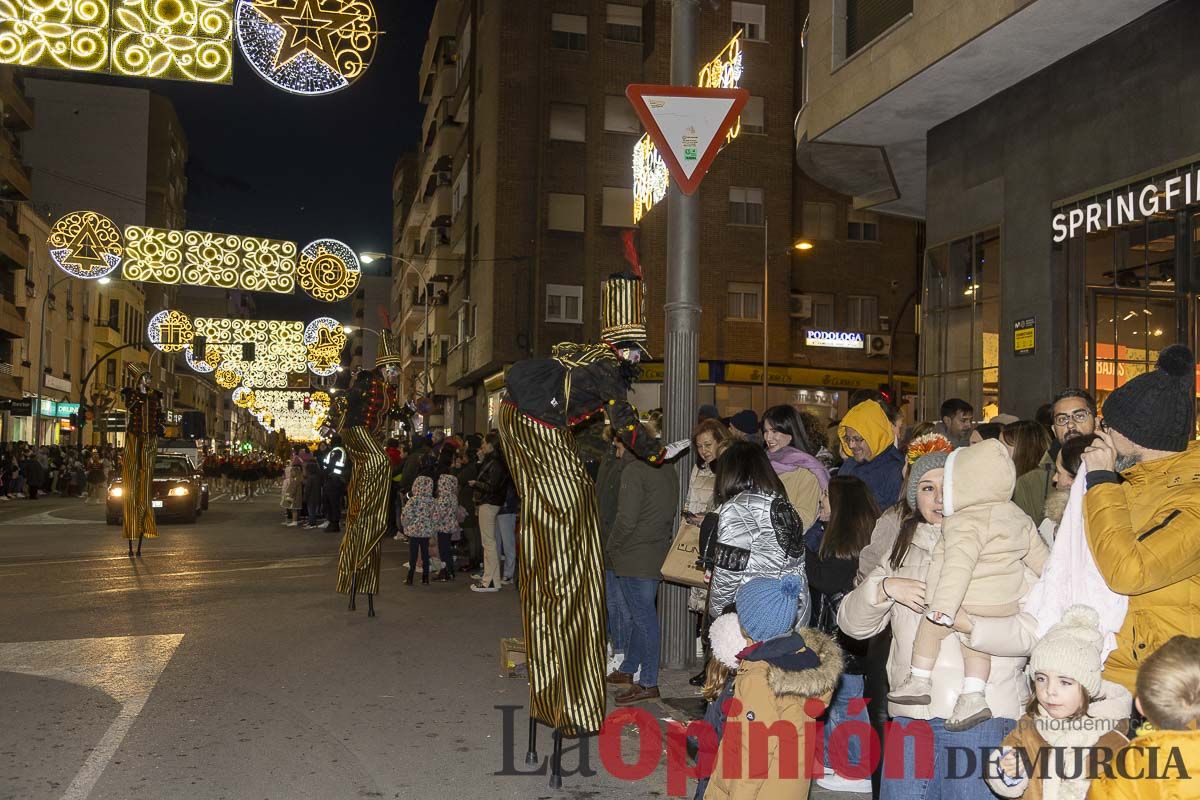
(200, 348)
(247, 351)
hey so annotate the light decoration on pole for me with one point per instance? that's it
(227, 378)
(198, 258)
(84, 244)
(170, 331)
(278, 349)
(329, 270)
(324, 338)
(243, 397)
(298, 412)
(651, 178)
(187, 40)
(308, 47)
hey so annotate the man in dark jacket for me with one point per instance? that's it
(637, 544)
(491, 489)
(337, 475)
(608, 493)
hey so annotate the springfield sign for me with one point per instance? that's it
(650, 176)
(1135, 204)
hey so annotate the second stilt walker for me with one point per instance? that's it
(561, 565)
(360, 413)
(143, 426)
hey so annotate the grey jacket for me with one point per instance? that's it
(758, 536)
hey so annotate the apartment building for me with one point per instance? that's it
(525, 187)
(16, 189)
(1051, 148)
(122, 152)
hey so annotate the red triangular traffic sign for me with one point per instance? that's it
(687, 125)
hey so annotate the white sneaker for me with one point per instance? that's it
(912, 691)
(970, 709)
(292, 524)
(836, 783)
(479, 587)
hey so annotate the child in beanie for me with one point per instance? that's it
(1072, 710)
(1166, 751)
(979, 567)
(778, 671)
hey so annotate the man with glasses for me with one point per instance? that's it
(1074, 414)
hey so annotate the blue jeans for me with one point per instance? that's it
(506, 544)
(643, 651)
(850, 687)
(956, 775)
(619, 624)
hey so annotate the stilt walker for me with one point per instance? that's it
(143, 426)
(361, 413)
(561, 564)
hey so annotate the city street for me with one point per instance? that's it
(223, 665)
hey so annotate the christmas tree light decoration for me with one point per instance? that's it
(329, 270)
(324, 338)
(188, 40)
(199, 366)
(83, 244)
(307, 47)
(170, 331)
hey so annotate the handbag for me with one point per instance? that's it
(681, 564)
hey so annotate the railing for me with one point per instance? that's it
(6, 368)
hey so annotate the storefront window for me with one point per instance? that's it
(961, 322)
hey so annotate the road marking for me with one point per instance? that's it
(126, 668)
(47, 518)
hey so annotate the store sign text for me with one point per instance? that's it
(1137, 204)
(843, 340)
(650, 177)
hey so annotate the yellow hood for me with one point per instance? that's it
(981, 473)
(868, 419)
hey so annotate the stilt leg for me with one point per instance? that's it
(131, 548)
(531, 756)
(139, 550)
(370, 605)
(353, 591)
(556, 761)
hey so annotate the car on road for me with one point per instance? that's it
(179, 492)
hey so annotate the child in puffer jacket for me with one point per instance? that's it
(978, 565)
(419, 519)
(448, 520)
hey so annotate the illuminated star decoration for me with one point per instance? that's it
(308, 47)
(85, 244)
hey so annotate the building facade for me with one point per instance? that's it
(1057, 177)
(534, 142)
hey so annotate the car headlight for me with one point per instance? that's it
(116, 491)
(179, 491)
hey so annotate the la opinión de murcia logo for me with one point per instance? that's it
(775, 751)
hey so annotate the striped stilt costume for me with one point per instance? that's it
(143, 426)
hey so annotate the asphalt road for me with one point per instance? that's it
(222, 664)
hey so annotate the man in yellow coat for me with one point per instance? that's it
(1142, 509)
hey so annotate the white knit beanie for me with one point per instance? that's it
(1072, 648)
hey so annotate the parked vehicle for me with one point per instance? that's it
(179, 492)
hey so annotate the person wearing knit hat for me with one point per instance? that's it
(1072, 709)
(767, 606)
(1142, 508)
(932, 461)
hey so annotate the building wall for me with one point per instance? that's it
(1096, 118)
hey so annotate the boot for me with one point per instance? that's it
(442, 576)
(912, 692)
(425, 578)
(970, 709)
(408, 581)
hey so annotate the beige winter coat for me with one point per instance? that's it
(866, 611)
(977, 564)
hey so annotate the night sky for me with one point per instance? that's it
(267, 163)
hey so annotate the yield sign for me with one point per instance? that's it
(687, 125)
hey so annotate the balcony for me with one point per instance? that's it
(12, 321)
(18, 113)
(15, 183)
(14, 248)
(106, 335)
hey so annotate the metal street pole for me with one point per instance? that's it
(682, 349)
(766, 306)
(41, 370)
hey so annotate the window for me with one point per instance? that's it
(745, 206)
(568, 31)
(751, 20)
(566, 212)
(820, 221)
(744, 301)
(460, 193)
(619, 116)
(564, 303)
(862, 226)
(624, 23)
(465, 321)
(862, 313)
(110, 373)
(618, 208)
(753, 120)
(822, 312)
(568, 122)
(868, 19)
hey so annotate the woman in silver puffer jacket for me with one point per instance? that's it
(758, 533)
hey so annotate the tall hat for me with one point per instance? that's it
(389, 351)
(135, 370)
(623, 301)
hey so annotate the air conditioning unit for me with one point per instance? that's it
(802, 306)
(879, 345)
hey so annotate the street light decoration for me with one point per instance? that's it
(243, 397)
(308, 47)
(170, 331)
(227, 378)
(188, 40)
(329, 270)
(198, 258)
(83, 244)
(324, 339)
